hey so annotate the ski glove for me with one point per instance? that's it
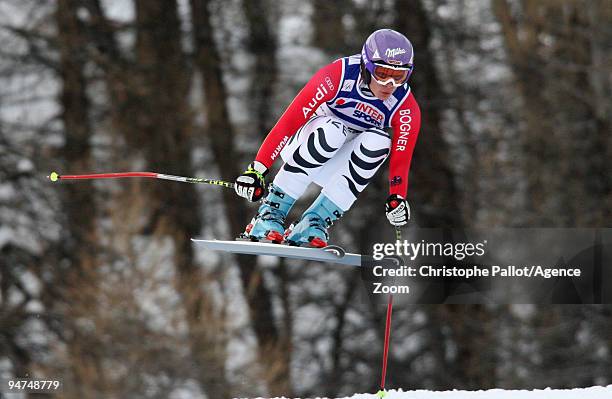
(398, 210)
(251, 184)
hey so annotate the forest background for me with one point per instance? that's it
(100, 284)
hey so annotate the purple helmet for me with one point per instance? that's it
(386, 47)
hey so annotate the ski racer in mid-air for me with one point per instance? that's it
(333, 134)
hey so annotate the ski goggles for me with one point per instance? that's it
(385, 74)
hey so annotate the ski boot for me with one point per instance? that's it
(269, 223)
(311, 229)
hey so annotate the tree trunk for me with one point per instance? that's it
(164, 119)
(79, 280)
(329, 32)
(433, 189)
(432, 192)
(565, 140)
(585, 153)
(262, 44)
(271, 347)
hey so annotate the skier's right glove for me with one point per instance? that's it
(398, 210)
(251, 184)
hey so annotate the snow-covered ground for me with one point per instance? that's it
(581, 393)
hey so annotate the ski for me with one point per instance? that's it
(331, 253)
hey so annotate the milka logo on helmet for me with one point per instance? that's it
(318, 96)
(392, 52)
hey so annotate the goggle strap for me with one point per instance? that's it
(396, 67)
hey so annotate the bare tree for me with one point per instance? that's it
(327, 21)
(554, 79)
(272, 346)
(263, 44)
(79, 279)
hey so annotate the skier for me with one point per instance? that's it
(333, 134)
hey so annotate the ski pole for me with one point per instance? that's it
(381, 393)
(54, 176)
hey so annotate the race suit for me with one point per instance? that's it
(335, 133)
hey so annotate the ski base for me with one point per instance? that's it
(331, 253)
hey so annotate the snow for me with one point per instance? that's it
(578, 393)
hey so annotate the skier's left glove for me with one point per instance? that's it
(252, 184)
(397, 209)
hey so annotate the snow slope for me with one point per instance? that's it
(581, 393)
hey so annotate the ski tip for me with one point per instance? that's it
(53, 176)
(381, 394)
